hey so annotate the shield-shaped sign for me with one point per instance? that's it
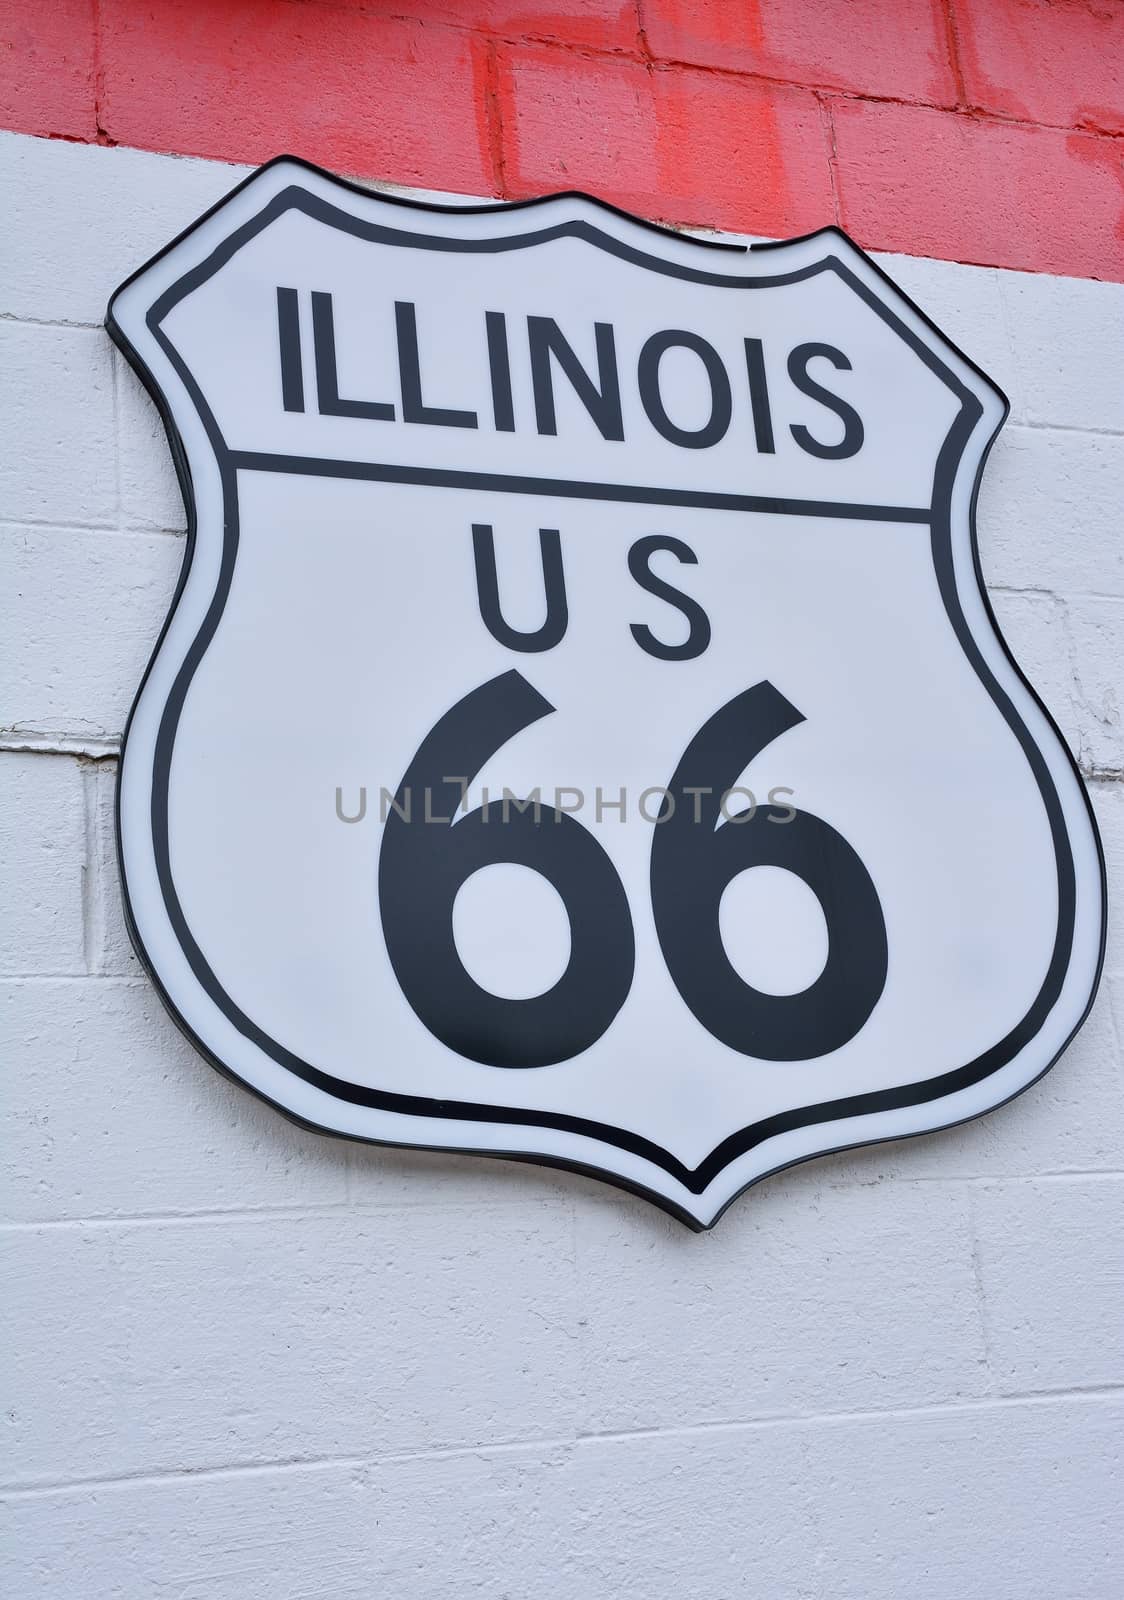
(580, 733)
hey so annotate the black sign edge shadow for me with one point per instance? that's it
(585, 1127)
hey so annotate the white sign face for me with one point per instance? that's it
(581, 733)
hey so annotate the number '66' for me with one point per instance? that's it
(693, 859)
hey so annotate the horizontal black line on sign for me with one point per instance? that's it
(568, 489)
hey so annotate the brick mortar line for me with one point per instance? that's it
(497, 136)
(952, 42)
(49, 322)
(12, 980)
(827, 120)
(572, 1444)
(979, 1288)
(103, 882)
(116, 366)
(1034, 591)
(528, 1205)
(642, 42)
(11, 977)
(643, 54)
(101, 136)
(89, 869)
(659, 64)
(78, 747)
(1086, 1393)
(84, 748)
(74, 527)
(131, 530)
(1032, 425)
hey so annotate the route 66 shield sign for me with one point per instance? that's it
(580, 733)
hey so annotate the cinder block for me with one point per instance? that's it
(214, 1341)
(42, 864)
(1010, 194)
(1015, 1502)
(82, 217)
(686, 145)
(111, 1111)
(345, 86)
(1068, 335)
(1062, 64)
(494, 1523)
(1049, 512)
(1072, 1120)
(56, 417)
(83, 611)
(880, 47)
(965, 304)
(47, 69)
(1053, 1282)
(727, 1513)
(804, 1299)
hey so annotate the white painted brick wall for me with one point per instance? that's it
(251, 1362)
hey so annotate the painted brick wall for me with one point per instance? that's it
(989, 131)
(249, 1363)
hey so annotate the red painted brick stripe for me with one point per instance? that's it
(989, 131)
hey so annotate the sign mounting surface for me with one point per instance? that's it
(581, 733)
